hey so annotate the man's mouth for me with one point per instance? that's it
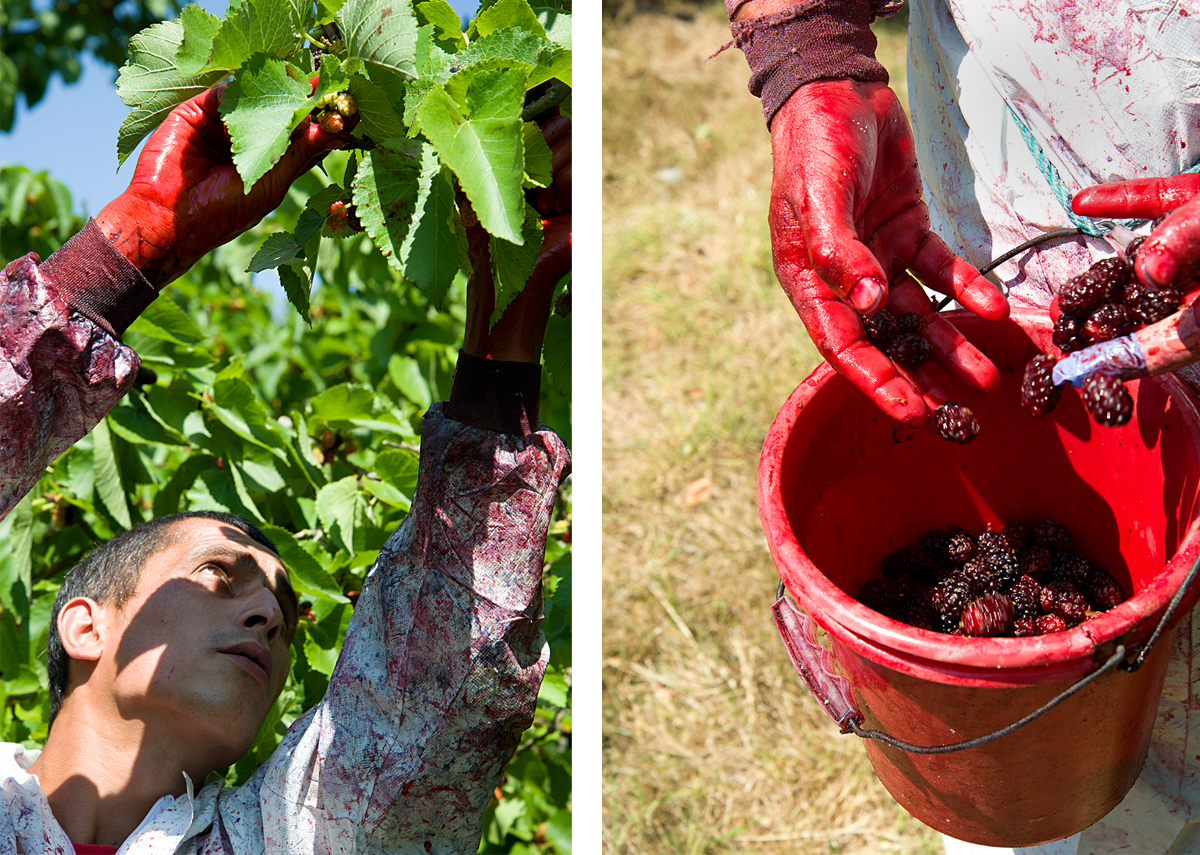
(253, 657)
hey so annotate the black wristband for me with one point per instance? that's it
(495, 395)
(98, 281)
(814, 40)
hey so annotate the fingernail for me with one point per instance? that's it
(866, 295)
(1161, 267)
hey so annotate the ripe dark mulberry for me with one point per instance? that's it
(1036, 561)
(960, 548)
(1084, 293)
(1026, 627)
(936, 543)
(1114, 270)
(1016, 535)
(1026, 596)
(1050, 533)
(879, 593)
(1131, 251)
(919, 610)
(1103, 591)
(910, 323)
(1038, 391)
(1069, 334)
(956, 423)
(881, 328)
(909, 350)
(1065, 600)
(1112, 320)
(1156, 305)
(1107, 400)
(1047, 624)
(952, 594)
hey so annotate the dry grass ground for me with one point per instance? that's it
(711, 743)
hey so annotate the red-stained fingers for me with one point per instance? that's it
(1142, 197)
(936, 265)
(1171, 255)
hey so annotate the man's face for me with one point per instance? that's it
(204, 639)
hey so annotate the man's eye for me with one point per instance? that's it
(218, 571)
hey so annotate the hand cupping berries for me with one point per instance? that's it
(1103, 303)
(1020, 581)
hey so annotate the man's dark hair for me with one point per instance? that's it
(109, 574)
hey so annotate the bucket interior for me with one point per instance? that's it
(855, 485)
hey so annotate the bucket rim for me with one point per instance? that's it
(818, 596)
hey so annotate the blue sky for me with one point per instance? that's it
(72, 131)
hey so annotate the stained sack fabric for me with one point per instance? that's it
(1016, 106)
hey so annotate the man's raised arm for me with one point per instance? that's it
(439, 673)
(62, 363)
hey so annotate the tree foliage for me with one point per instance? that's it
(307, 425)
(40, 40)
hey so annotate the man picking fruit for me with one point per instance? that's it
(169, 643)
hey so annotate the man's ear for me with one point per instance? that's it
(81, 625)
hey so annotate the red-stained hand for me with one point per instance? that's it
(848, 223)
(186, 198)
(517, 335)
(1171, 254)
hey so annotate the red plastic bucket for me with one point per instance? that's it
(840, 486)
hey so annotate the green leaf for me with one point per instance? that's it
(164, 319)
(382, 37)
(297, 286)
(447, 26)
(385, 492)
(134, 423)
(505, 14)
(270, 27)
(199, 28)
(343, 402)
(558, 832)
(166, 500)
(379, 117)
(556, 352)
(306, 573)
(539, 166)
(554, 689)
(239, 486)
(556, 22)
(9, 78)
(342, 508)
(399, 467)
(258, 109)
(430, 252)
(75, 471)
(433, 66)
(406, 374)
(152, 85)
(16, 558)
(512, 264)
(385, 194)
(109, 486)
(479, 137)
(279, 248)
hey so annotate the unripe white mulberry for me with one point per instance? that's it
(345, 104)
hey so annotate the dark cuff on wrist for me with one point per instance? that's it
(495, 395)
(815, 40)
(98, 281)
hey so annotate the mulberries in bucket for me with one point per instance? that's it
(1026, 579)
